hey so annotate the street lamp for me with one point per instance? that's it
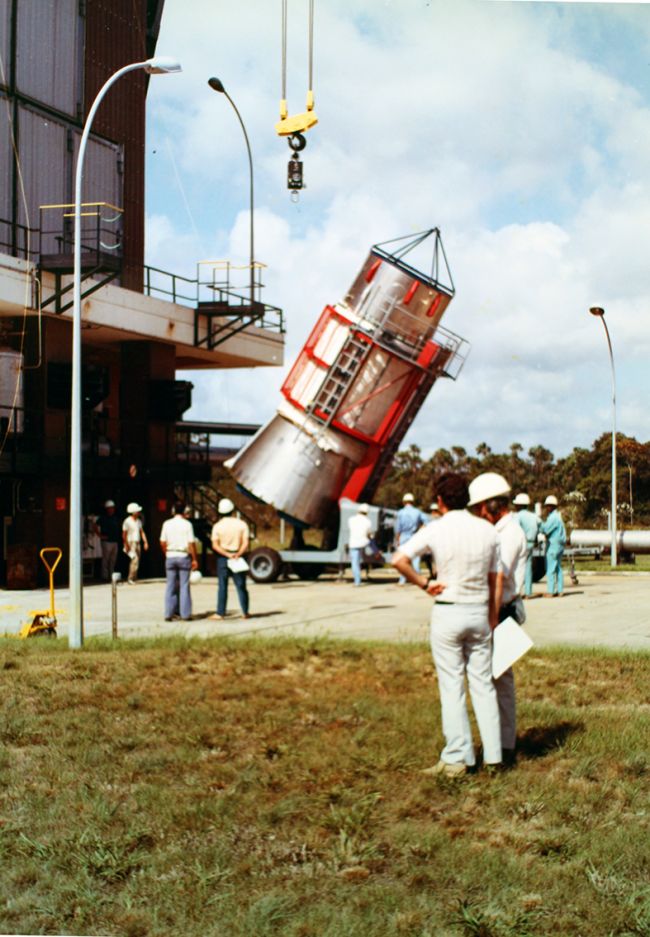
(598, 311)
(156, 66)
(217, 85)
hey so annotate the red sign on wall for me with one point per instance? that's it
(60, 504)
(162, 505)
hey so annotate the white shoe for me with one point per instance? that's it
(446, 769)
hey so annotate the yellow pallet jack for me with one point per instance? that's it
(44, 623)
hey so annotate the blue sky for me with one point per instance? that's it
(521, 129)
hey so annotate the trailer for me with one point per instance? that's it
(267, 564)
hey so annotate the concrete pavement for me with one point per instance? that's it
(606, 609)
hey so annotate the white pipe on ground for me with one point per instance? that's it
(629, 541)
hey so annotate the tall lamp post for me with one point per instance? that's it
(600, 313)
(155, 66)
(217, 85)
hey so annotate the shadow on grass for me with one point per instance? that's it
(540, 741)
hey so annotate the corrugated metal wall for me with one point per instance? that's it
(55, 47)
(115, 36)
(5, 168)
(102, 178)
(5, 21)
(45, 165)
(47, 50)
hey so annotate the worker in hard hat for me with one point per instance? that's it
(553, 529)
(408, 521)
(134, 539)
(230, 538)
(465, 553)
(529, 523)
(489, 496)
(359, 537)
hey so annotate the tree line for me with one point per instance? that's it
(581, 480)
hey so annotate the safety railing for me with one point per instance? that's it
(100, 239)
(18, 240)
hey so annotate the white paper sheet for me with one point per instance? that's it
(238, 565)
(509, 643)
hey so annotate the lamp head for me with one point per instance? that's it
(217, 85)
(162, 65)
(596, 311)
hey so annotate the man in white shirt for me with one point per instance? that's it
(179, 549)
(359, 533)
(464, 550)
(489, 494)
(134, 539)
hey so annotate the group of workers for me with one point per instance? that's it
(410, 519)
(482, 555)
(230, 539)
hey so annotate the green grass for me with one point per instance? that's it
(641, 564)
(264, 788)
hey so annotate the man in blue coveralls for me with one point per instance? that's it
(409, 519)
(553, 530)
(529, 523)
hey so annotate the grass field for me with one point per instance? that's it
(260, 788)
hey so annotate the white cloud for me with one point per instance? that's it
(489, 120)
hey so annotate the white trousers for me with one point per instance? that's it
(461, 644)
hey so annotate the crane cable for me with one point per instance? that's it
(298, 123)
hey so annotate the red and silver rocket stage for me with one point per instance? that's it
(356, 386)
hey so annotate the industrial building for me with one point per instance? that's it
(139, 324)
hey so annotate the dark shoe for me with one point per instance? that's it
(494, 768)
(509, 757)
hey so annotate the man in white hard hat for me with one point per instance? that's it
(359, 534)
(529, 523)
(464, 549)
(489, 496)
(555, 533)
(230, 539)
(179, 549)
(408, 521)
(134, 539)
(108, 528)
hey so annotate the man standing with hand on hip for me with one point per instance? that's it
(230, 538)
(489, 493)
(464, 550)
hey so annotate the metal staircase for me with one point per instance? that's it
(204, 499)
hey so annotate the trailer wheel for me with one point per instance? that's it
(308, 571)
(265, 564)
